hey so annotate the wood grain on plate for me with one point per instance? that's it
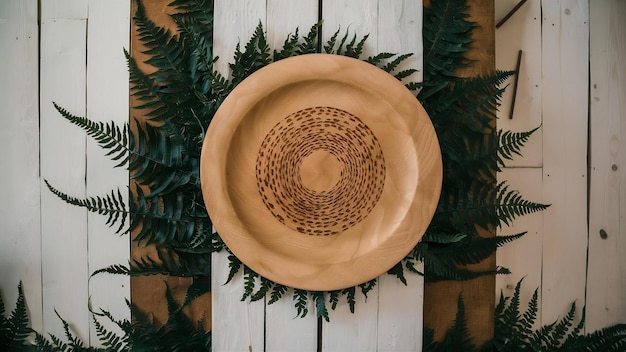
(321, 172)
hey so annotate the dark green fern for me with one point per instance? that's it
(181, 95)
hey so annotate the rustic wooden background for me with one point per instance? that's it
(69, 51)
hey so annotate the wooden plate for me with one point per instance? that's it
(321, 172)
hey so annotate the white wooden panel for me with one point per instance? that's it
(523, 256)
(68, 9)
(347, 331)
(353, 332)
(107, 100)
(606, 279)
(236, 325)
(400, 31)
(284, 16)
(235, 22)
(521, 32)
(64, 227)
(284, 331)
(359, 17)
(20, 243)
(564, 99)
(400, 313)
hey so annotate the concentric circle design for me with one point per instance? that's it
(352, 161)
(320, 171)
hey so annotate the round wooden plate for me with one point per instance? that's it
(321, 172)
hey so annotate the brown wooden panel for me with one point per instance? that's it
(479, 294)
(148, 292)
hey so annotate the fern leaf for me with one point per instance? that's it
(366, 287)
(333, 298)
(234, 264)
(511, 143)
(320, 305)
(350, 297)
(511, 205)
(329, 47)
(249, 281)
(398, 271)
(199, 286)
(277, 292)
(264, 288)
(457, 338)
(115, 269)
(111, 205)
(301, 299)
(109, 339)
(310, 44)
(109, 136)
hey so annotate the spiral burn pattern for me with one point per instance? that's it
(347, 202)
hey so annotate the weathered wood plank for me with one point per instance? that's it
(606, 273)
(358, 330)
(521, 32)
(63, 227)
(107, 100)
(400, 308)
(400, 313)
(283, 330)
(353, 331)
(67, 9)
(440, 298)
(20, 244)
(565, 65)
(359, 18)
(237, 326)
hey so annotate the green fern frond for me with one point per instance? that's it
(350, 297)
(446, 40)
(398, 271)
(263, 290)
(612, 338)
(458, 338)
(109, 136)
(249, 282)
(393, 64)
(14, 329)
(511, 143)
(301, 298)
(162, 219)
(329, 46)
(255, 56)
(476, 249)
(443, 237)
(200, 286)
(168, 55)
(353, 50)
(320, 305)
(277, 292)
(378, 59)
(109, 339)
(333, 298)
(511, 205)
(111, 205)
(310, 44)
(366, 287)
(162, 163)
(289, 48)
(115, 269)
(235, 265)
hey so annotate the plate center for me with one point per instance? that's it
(320, 171)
